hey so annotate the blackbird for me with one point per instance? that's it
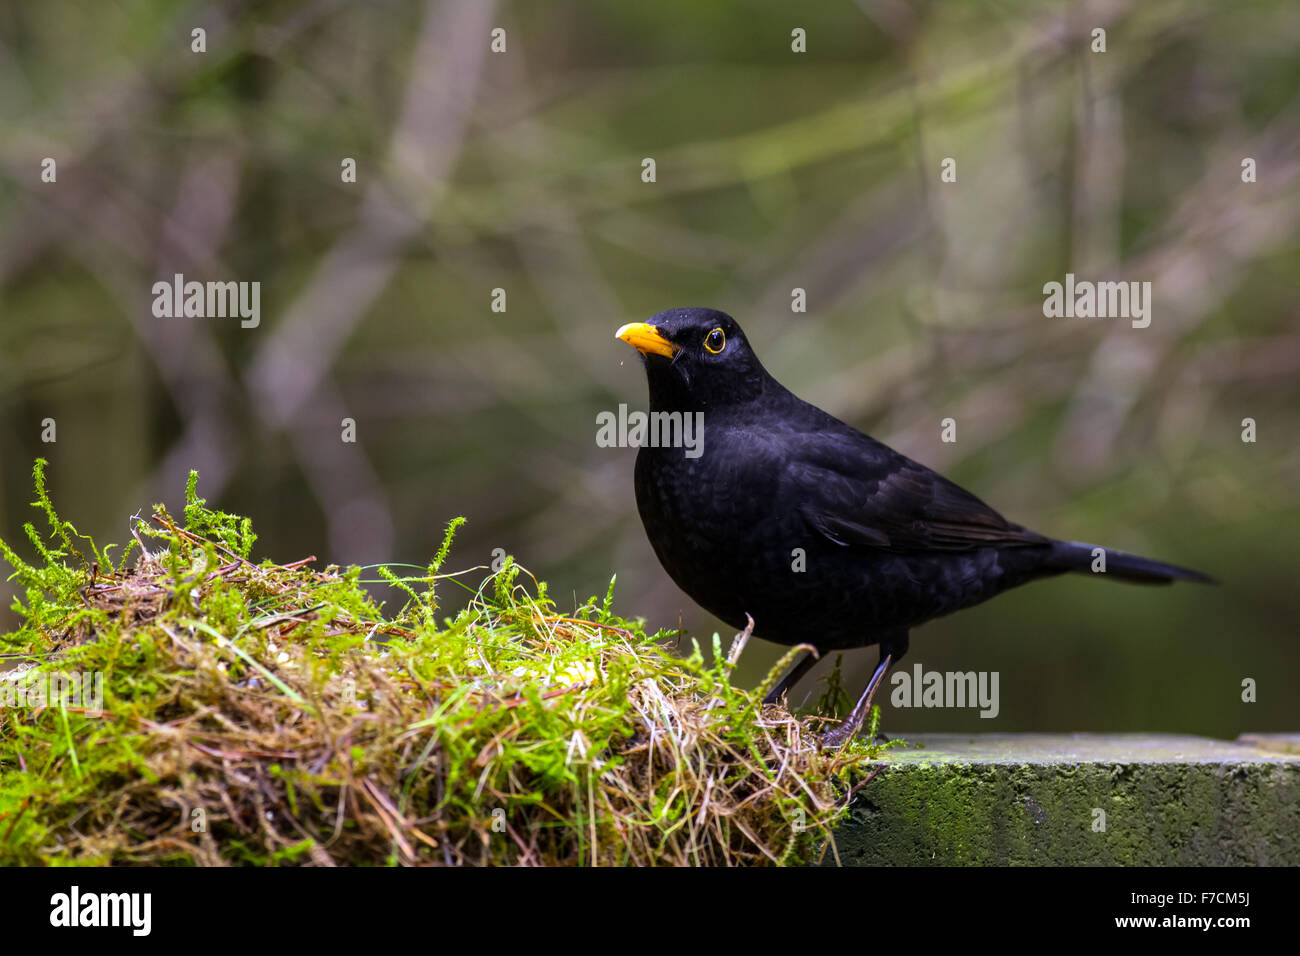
(822, 535)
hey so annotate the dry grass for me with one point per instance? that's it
(268, 714)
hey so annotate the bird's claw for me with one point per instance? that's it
(853, 723)
(837, 737)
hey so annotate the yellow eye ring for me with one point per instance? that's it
(715, 341)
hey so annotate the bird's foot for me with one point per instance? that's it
(842, 734)
(839, 736)
(832, 741)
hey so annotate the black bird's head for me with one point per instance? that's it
(695, 359)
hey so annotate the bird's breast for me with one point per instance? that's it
(698, 514)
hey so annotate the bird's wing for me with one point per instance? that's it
(859, 493)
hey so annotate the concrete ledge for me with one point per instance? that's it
(1080, 799)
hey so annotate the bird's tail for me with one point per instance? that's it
(1087, 558)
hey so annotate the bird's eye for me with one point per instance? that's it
(715, 341)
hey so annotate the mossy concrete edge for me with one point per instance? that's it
(1082, 799)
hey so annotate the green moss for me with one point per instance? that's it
(271, 714)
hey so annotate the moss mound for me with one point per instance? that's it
(197, 708)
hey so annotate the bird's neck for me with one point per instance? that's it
(672, 392)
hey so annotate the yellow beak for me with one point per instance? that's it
(646, 339)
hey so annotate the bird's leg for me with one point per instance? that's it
(853, 723)
(791, 678)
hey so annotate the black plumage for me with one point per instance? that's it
(887, 544)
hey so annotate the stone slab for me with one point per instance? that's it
(1080, 799)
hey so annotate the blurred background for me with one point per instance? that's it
(775, 170)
